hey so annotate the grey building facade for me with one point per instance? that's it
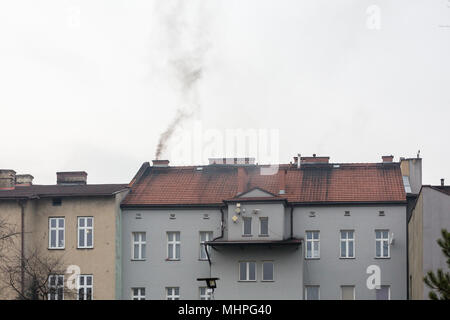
(310, 231)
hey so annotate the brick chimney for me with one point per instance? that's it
(23, 180)
(160, 163)
(71, 177)
(282, 181)
(242, 180)
(314, 159)
(442, 182)
(7, 179)
(387, 158)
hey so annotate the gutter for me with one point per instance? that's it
(292, 222)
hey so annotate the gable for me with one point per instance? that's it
(256, 193)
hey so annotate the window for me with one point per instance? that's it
(205, 293)
(247, 271)
(247, 226)
(56, 201)
(384, 293)
(267, 271)
(56, 233)
(137, 293)
(312, 293)
(173, 245)
(264, 226)
(348, 292)
(85, 287)
(56, 287)
(139, 245)
(173, 293)
(204, 236)
(85, 232)
(382, 244)
(347, 244)
(312, 245)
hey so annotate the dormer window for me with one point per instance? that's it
(247, 226)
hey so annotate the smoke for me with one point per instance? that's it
(184, 47)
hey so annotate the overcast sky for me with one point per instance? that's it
(88, 85)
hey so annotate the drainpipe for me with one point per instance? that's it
(292, 222)
(22, 246)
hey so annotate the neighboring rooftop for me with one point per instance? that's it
(313, 180)
(69, 184)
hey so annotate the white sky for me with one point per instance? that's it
(84, 85)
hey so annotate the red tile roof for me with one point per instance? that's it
(318, 183)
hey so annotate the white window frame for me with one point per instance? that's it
(347, 240)
(172, 296)
(382, 240)
(141, 253)
(312, 286)
(243, 227)
(247, 271)
(85, 286)
(208, 237)
(175, 243)
(140, 295)
(56, 286)
(273, 271)
(260, 226)
(56, 229)
(389, 290)
(312, 241)
(86, 229)
(206, 295)
(354, 290)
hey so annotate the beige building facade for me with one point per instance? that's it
(72, 222)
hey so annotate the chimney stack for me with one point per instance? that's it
(442, 182)
(7, 179)
(387, 158)
(24, 180)
(160, 163)
(314, 159)
(282, 181)
(71, 178)
(242, 179)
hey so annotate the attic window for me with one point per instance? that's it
(56, 201)
(347, 213)
(172, 216)
(381, 214)
(312, 214)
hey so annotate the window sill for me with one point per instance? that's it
(173, 259)
(85, 248)
(263, 235)
(246, 280)
(267, 280)
(138, 259)
(347, 258)
(312, 258)
(56, 248)
(247, 235)
(382, 258)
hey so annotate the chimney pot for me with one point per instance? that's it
(71, 177)
(387, 158)
(442, 182)
(160, 163)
